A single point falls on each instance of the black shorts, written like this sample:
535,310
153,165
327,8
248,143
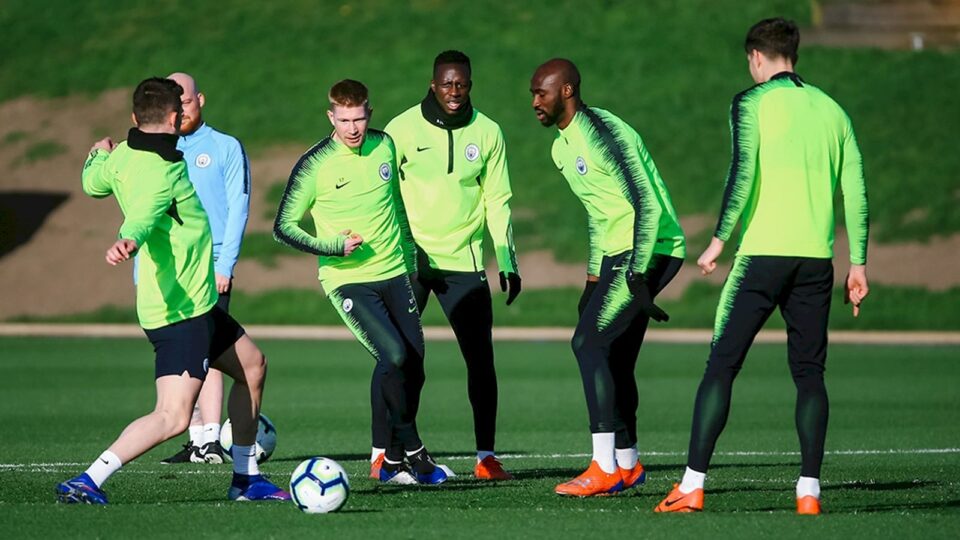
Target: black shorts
193,344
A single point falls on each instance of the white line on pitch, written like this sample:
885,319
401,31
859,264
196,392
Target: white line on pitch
751,453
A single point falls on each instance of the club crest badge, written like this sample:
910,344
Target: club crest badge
386,172
581,166
472,152
203,161
347,305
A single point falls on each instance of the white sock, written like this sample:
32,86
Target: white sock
376,452
105,465
627,457
409,453
484,454
196,434
808,486
691,480
245,460
603,452
211,433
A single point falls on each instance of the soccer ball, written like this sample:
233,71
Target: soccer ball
266,439
319,485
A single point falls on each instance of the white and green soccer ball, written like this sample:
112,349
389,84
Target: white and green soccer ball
266,439
319,485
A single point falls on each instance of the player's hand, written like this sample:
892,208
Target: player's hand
351,243
708,260
105,143
587,294
513,280
120,251
224,283
856,289
637,284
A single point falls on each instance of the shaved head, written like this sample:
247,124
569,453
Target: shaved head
193,100
555,87
185,81
562,71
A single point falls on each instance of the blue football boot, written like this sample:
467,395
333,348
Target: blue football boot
80,490
397,474
255,488
425,469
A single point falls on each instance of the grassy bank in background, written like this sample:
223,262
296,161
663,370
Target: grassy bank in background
668,68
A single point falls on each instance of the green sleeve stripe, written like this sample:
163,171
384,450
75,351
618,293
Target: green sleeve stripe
624,162
293,204
595,257
855,205
743,130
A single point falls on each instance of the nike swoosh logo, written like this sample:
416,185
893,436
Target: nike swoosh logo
419,149
618,267
483,278
105,462
411,309
341,185
561,169
668,504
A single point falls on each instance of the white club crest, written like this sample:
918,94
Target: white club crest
203,161
206,365
347,305
581,166
386,172
472,152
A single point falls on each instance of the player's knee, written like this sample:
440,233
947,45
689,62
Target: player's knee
255,368
394,356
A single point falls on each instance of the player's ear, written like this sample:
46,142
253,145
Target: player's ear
201,99
133,118
566,91
433,86
330,116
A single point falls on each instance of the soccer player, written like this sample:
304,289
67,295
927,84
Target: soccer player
636,248
220,173
792,144
348,182
164,223
454,180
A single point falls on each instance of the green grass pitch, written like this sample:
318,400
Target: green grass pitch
891,468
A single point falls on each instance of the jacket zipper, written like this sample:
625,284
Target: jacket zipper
449,151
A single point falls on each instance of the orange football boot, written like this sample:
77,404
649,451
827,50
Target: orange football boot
633,477
375,466
593,481
490,468
808,505
678,501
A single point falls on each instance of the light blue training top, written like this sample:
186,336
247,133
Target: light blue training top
220,172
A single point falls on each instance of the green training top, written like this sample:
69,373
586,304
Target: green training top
344,188
791,144
452,181
163,215
611,172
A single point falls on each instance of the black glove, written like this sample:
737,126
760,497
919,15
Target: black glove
514,281
585,297
638,287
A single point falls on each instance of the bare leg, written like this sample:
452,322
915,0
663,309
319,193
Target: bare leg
176,395
210,401
248,367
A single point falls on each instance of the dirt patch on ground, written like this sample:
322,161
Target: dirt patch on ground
61,268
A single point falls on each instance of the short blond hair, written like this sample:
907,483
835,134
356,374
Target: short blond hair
348,93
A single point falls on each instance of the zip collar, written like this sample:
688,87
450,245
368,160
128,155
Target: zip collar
162,144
